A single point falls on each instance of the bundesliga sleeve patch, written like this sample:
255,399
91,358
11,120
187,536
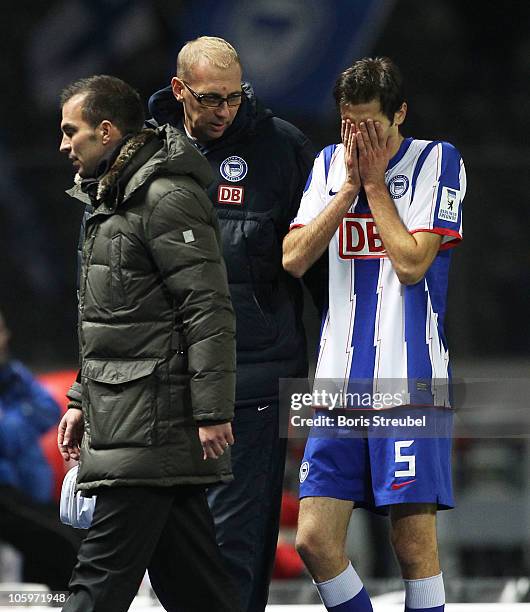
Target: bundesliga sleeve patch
449,205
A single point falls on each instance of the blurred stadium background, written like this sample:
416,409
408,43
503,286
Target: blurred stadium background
466,68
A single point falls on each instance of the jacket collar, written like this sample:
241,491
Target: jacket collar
128,161
90,185
164,108
151,152
115,171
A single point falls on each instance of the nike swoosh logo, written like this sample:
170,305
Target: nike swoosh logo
260,408
332,193
402,484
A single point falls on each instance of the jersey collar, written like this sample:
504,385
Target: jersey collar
403,148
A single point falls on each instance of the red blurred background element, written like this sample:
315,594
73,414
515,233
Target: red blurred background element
288,563
57,384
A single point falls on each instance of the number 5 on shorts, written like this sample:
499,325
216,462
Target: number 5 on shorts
410,460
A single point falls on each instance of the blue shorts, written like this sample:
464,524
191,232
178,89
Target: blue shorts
376,472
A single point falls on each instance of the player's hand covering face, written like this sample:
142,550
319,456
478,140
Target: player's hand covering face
377,139
376,147
349,140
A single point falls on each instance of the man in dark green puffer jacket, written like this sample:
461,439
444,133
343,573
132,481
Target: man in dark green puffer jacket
150,414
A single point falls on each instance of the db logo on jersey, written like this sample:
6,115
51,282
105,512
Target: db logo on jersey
358,238
230,194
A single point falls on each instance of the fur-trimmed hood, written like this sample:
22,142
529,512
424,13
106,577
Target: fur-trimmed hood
164,150
122,163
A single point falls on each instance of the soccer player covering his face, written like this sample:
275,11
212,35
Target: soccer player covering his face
389,209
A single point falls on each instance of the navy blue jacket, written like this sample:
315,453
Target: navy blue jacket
263,161
27,411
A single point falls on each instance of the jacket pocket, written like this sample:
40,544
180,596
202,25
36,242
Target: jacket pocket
120,400
256,325
117,292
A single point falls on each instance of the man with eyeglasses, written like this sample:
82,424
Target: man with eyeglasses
261,164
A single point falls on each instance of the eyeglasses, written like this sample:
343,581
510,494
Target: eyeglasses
212,100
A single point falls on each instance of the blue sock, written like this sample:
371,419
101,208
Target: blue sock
344,593
425,595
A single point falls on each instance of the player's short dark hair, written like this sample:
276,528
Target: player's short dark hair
109,98
371,79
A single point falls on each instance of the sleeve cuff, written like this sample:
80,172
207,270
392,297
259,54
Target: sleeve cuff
210,423
450,238
74,394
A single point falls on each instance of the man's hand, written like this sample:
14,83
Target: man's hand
351,161
215,439
374,152
69,434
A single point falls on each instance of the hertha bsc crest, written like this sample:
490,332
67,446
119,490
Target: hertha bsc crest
233,168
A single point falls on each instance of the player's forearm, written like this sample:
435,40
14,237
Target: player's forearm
303,246
409,260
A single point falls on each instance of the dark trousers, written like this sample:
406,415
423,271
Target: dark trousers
49,548
170,532
247,511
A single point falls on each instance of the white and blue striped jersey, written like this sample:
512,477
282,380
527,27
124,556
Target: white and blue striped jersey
376,329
